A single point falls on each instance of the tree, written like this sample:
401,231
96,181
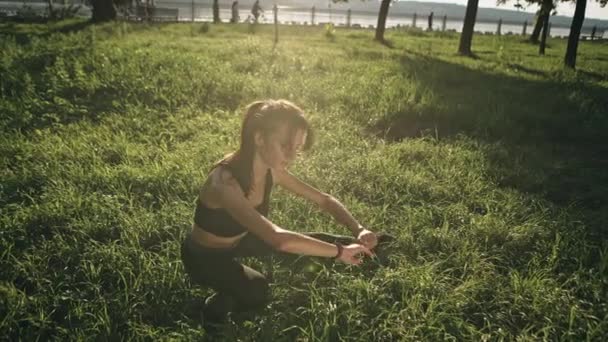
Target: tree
542,22
575,31
542,15
50,9
216,12
466,36
381,26
103,10
538,25
546,6
543,40
382,15
539,22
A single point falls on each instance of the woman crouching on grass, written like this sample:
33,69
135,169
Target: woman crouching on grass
230,219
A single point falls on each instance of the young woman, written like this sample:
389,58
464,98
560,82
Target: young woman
230,219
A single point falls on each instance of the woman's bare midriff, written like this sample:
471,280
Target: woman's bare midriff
210,240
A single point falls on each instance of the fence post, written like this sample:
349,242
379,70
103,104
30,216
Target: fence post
414,20
348,13
275,10
443,25
499,27
523,32
593,31
430,28
312,16
192,10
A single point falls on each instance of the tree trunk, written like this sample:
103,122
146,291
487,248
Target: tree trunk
216,11
538,25
382,20
545,9
467,28
543,38
103,10
575,31
51,10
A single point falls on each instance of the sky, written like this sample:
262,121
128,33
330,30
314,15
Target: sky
593,8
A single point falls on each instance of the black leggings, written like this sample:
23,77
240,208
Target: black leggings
219,270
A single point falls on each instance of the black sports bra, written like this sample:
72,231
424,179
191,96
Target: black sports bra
220,222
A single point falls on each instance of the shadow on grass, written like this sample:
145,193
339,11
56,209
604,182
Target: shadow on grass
72,27
600,58
387,43
595,76
547,142
527,70
557,120
24,33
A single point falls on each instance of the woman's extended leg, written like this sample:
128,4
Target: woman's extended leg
251,245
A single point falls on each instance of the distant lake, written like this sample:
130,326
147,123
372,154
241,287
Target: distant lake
300,16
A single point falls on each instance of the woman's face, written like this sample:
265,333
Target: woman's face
281,146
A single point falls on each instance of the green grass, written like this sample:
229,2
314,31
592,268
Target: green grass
490,171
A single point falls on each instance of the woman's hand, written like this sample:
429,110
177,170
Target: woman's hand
352,254
367,238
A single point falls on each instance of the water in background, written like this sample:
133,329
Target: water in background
203,12
300,16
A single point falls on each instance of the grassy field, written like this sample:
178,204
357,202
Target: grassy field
490,171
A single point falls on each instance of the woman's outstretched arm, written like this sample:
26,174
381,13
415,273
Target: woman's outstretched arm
327,203
342,215
339,212
232,198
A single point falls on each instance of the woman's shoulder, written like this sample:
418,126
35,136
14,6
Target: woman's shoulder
219,183
221,178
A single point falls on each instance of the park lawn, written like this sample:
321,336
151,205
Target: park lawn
490,171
